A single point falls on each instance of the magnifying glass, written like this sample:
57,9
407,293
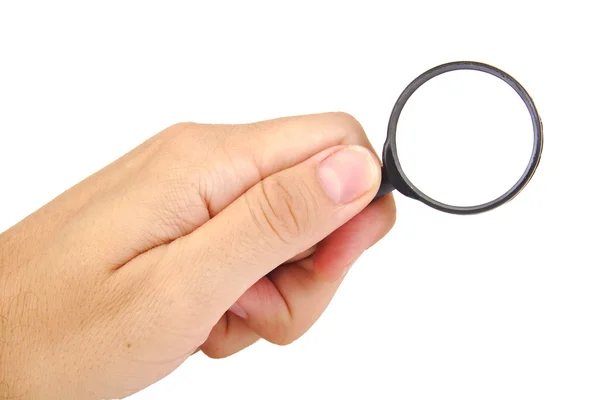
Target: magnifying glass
464,138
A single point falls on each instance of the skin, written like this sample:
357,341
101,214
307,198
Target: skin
205,238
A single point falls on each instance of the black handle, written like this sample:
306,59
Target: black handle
385,187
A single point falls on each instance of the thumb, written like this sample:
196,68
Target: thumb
278,218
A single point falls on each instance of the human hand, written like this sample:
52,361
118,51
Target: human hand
205,237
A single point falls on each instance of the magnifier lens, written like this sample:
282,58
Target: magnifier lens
464,138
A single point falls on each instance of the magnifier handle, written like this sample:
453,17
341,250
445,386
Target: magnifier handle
385,187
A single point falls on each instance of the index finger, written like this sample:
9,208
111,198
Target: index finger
264,148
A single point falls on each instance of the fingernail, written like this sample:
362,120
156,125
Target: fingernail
347,174
238,310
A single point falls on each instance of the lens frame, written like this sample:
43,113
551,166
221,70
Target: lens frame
393,176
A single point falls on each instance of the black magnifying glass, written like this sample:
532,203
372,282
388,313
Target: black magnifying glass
394,176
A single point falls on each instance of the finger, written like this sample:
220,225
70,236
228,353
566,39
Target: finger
302,256
229,336
270,318
284,305
266,147
346,244
272,222
191,172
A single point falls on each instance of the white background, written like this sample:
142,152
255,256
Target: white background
503,305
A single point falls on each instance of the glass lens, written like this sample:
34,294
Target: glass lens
464,138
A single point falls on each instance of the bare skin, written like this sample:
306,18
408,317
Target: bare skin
204,238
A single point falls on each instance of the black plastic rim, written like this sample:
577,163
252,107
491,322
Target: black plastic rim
391,164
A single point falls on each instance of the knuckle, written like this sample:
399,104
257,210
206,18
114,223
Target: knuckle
284,207
180,137
215,352
285,336
281,331
187,142
182,126
348,122
282,326
286,330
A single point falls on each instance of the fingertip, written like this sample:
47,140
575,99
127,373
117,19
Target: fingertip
349,173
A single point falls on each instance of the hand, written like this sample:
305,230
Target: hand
205,237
